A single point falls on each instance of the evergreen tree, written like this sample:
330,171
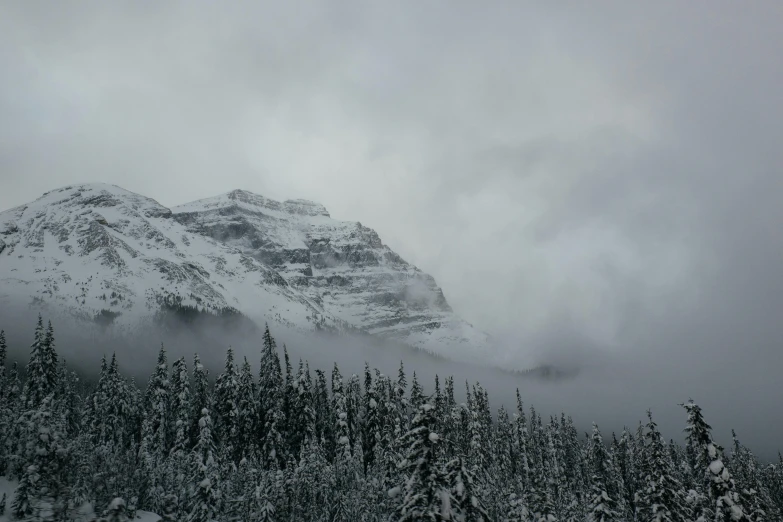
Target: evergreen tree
3,372
372,422
340,408
401,403
155,445
177,463
323,415
205,498
270,412
42,366
201,396
6,407
754,491
464,501
353,401
426,489
96,405
226,400
661,497
50,362
247,412
719,500
450,422
157,412
302,421
180,405
417,395
288,402
603,503
40,493
520,455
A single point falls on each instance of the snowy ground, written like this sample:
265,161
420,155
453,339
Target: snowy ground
8,488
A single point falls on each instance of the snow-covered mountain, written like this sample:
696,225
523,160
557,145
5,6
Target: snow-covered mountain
111,257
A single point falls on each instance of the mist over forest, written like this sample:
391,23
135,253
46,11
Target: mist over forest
599,387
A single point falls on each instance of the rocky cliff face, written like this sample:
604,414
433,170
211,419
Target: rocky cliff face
100,251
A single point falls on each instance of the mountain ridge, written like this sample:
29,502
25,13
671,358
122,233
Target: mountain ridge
99,250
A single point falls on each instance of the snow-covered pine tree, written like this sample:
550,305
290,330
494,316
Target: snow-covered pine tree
464,502
698,437
302,422
401,402
417,395
205,498
51,364
155,445
312,476
247,411
180,406
6,408
157,401
288,402
661,497
226,399
202,397
603,505
68,400
14,445
774,479
177,463
353,402
41,493
372,421
450,419
426,489
238,490
575,470
521,467
264,508
270,388
750,481
323,415
625,456
94,416
3,357
720,500
41,374
556,476
271,399
340,408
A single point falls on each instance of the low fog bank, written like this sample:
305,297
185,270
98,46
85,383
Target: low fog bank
610,389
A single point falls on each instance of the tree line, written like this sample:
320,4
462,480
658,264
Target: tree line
291,444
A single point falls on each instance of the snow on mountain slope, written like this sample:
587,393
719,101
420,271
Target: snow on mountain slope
107,255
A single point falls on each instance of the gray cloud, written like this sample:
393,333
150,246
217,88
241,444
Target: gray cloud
580,180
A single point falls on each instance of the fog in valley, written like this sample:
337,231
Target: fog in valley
611,390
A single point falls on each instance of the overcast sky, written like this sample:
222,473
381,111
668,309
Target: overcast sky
578,177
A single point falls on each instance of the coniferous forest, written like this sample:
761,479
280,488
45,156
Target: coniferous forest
283,443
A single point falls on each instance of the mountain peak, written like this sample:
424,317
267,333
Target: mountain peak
93,196
254,202
305,207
